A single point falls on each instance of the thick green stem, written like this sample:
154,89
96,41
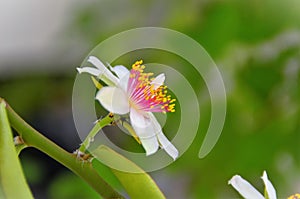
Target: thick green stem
82,168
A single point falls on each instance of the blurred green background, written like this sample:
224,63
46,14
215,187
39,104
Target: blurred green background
256,45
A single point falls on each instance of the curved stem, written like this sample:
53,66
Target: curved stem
107,120
83,169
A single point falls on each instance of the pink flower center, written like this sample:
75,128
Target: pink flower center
143,95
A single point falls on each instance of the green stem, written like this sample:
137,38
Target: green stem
98,126
83,169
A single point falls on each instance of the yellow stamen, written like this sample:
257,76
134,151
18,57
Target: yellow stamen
295,196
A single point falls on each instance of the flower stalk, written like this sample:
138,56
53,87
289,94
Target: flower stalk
107,120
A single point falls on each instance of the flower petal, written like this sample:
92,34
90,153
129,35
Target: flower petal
104,73
96,62
158,81
120,71
244,188
268,186
90,70
123,73
113,99
144,130
162,139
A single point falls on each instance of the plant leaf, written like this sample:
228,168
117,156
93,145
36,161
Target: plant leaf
138,184
13,183
106,173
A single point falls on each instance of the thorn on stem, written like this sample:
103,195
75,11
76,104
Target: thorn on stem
83,156
18,140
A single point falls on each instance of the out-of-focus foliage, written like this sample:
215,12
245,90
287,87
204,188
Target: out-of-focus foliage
256,45
68,186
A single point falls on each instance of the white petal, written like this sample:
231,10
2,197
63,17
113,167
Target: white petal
162,139
123,74
96,62
121,71
104,74
90,70
145,131
158,81
268,186
113,99
244,188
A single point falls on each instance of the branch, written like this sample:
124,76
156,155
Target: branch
82,168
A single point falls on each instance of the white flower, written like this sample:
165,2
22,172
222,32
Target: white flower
134,93
249,192
101,71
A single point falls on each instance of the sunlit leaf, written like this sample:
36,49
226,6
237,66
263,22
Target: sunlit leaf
138,184
106,173
12,178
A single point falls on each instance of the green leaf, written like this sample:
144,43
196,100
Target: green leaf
106,173
138,184
13,183
1,192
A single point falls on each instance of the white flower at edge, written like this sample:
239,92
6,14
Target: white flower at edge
249,192
134,93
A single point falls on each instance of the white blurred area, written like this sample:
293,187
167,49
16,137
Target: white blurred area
33,37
